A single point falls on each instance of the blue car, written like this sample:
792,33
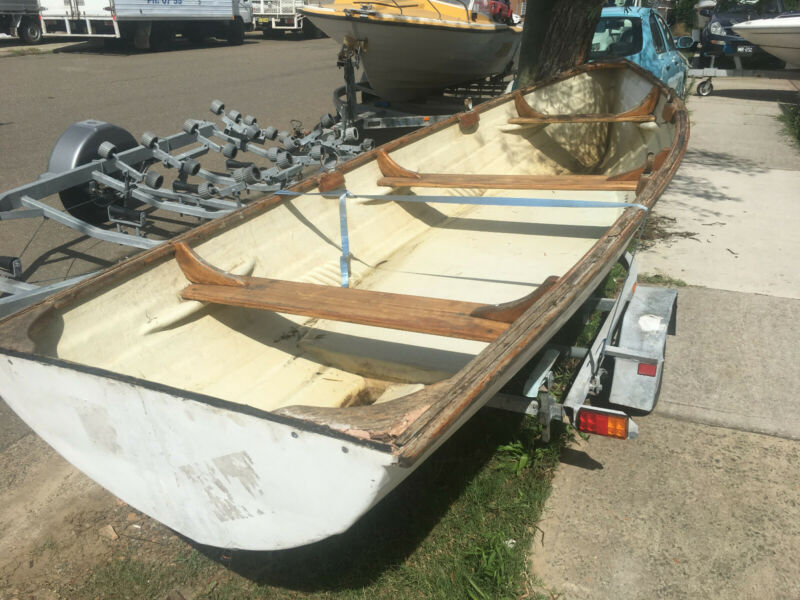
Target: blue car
641,36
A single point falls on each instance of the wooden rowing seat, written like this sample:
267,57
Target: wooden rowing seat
450,318
396,176
642,113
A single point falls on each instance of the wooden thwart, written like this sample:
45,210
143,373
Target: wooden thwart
639,114
450,318
396,176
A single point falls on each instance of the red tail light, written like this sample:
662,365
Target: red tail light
603,422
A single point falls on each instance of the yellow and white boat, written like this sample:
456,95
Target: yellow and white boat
413,48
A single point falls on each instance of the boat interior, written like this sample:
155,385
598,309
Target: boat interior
255,313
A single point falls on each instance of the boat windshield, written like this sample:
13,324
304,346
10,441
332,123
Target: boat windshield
616,37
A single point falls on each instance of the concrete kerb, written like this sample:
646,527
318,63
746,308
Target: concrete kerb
10,46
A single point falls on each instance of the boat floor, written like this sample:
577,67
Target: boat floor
482,254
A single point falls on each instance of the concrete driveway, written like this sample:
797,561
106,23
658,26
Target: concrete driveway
706,503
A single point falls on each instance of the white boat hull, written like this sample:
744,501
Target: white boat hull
779,37
219,476
405,60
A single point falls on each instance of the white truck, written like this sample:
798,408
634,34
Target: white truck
274,17
148,24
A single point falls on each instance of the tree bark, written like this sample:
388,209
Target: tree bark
556,36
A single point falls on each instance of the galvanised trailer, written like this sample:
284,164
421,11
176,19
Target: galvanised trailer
102,176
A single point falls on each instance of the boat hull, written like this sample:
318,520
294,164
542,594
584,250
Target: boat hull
779,37
405,60
219,476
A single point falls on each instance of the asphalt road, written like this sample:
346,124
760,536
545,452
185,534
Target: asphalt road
42,95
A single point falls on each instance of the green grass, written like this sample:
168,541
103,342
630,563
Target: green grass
790,117
658,279
460,527
23,51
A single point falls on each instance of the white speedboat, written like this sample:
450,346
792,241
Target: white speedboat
413,49
779,36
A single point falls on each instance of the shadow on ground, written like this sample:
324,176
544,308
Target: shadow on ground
760,95
114,47
393,530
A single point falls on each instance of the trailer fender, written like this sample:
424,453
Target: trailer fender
79,145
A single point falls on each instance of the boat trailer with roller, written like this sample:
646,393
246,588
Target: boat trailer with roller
102,175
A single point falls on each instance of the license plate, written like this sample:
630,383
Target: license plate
745,49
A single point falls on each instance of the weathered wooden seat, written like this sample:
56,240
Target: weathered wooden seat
396,176
642,113
450,318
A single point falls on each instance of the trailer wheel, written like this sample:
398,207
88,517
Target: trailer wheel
80,145
704,88
236,32
30,30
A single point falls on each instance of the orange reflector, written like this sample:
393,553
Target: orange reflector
426,119
603,423
633,289
647,369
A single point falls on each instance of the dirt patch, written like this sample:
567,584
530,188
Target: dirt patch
57,524
659,229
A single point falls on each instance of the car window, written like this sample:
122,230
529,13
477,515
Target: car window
667,33
658,40
616,37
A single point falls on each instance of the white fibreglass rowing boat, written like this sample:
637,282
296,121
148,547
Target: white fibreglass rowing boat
228,386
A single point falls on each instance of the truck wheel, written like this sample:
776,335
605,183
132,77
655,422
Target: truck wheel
236,32
30,30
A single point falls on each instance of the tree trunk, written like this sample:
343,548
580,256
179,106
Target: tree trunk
556,36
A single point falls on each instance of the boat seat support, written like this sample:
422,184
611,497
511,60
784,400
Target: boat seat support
396,176
642,113
450,318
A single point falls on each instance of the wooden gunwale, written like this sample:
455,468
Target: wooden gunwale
459,396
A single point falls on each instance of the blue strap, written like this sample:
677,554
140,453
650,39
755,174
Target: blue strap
344,259
478,200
